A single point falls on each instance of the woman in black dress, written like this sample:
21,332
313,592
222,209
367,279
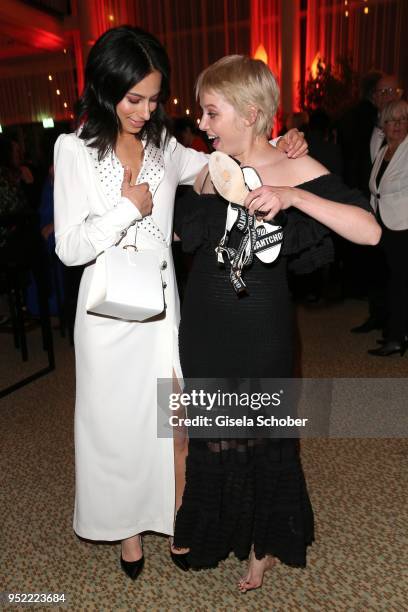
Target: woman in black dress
245,495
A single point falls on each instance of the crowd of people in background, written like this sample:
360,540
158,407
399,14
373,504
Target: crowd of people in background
359,147
21,248
369,140
374,131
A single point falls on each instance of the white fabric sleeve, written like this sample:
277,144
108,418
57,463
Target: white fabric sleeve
188,161
274,141
80,236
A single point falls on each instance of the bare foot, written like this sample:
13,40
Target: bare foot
177,551
132,548
256,569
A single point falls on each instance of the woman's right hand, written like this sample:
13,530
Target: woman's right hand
139,195
267,201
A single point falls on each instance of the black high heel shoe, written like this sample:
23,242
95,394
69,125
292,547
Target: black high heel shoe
180,560
390,348
132,568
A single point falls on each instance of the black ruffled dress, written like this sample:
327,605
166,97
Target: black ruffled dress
242,493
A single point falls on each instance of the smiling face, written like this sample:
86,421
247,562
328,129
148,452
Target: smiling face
396,127
227,130
141,100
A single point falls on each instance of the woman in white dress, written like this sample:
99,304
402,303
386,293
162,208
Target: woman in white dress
124,472
118,172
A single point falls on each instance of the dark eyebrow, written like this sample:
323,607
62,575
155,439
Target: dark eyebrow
134,93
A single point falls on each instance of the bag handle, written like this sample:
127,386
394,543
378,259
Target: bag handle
132,246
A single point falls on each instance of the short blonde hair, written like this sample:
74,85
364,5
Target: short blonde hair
396,107
244,83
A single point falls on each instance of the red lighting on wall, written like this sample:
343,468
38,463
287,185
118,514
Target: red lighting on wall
314,68
265,33
261,54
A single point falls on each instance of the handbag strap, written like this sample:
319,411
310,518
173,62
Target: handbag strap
242,256
132,246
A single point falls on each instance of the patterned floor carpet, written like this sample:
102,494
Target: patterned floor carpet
359,561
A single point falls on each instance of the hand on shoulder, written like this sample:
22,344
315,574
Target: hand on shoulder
293,144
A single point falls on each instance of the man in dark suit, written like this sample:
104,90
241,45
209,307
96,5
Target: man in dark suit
355,131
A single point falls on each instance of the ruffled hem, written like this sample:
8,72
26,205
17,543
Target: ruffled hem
234,505
301,233
306,243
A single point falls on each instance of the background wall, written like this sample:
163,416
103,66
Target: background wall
53,38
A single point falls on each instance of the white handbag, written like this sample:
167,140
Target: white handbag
127,284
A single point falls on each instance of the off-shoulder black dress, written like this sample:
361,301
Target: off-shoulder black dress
241,493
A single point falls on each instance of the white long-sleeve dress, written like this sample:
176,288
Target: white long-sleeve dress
124,472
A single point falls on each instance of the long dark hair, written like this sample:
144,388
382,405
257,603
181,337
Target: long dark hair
119,59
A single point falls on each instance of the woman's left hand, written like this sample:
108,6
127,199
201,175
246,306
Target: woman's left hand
267,201
293,143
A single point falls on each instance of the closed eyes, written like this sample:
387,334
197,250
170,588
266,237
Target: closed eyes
153,100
